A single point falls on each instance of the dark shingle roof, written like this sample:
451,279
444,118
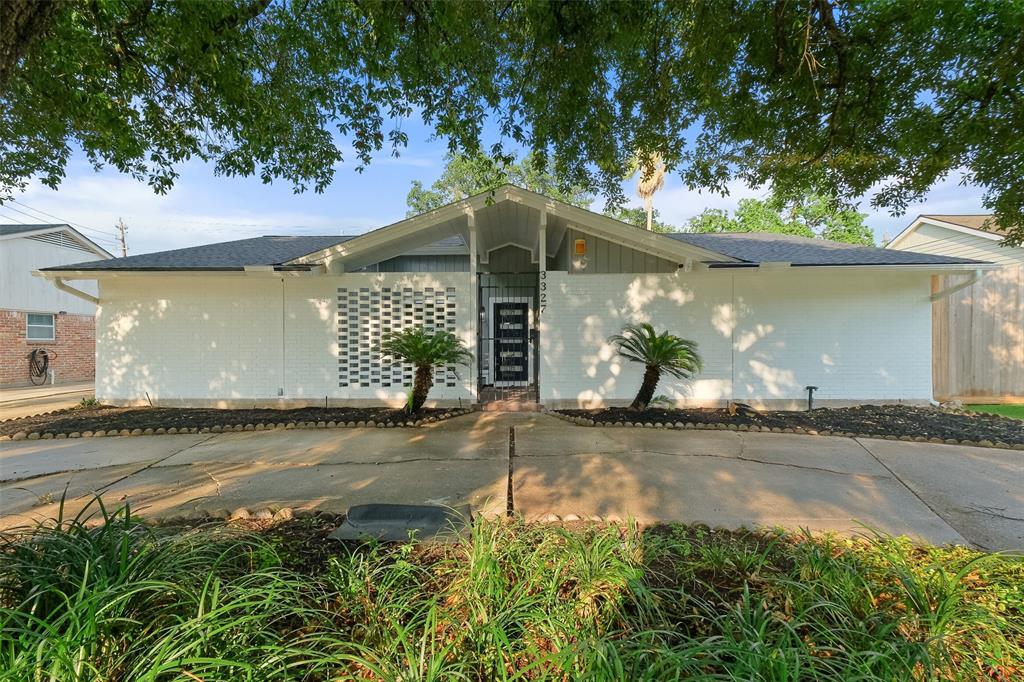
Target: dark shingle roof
760,247
6,230
747,247
235,255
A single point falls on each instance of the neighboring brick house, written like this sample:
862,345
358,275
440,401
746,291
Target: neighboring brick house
36,315
534,287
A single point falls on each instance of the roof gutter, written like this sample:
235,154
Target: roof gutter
971,279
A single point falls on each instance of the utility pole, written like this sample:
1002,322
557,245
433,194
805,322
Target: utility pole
122,228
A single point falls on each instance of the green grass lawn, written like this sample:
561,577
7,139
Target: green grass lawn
1015,411
513,601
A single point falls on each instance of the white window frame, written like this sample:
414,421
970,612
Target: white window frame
29,326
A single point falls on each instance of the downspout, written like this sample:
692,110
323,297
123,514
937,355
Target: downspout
78,293
283,379
939,295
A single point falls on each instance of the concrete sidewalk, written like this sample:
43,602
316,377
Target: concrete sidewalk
26,401
456,462
937,493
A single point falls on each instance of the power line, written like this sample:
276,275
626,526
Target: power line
50,215
12,218
105,240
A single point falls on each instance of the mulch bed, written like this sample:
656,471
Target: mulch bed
108,418
894,421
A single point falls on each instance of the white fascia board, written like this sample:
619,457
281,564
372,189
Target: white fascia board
920,267
378,239
615,230
85,241
582,219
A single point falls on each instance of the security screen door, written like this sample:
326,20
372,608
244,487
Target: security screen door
511,333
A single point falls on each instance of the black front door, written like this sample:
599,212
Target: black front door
511,333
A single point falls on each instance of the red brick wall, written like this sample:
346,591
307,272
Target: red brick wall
72,353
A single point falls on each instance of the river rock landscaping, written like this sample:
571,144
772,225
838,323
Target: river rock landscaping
134,421
880,421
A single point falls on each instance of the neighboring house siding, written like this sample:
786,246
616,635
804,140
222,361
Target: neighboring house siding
227,340
19,290
978,340
604,256
763,336
72,351
945,242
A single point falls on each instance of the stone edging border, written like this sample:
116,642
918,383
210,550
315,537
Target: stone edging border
275,513
583,421
227,428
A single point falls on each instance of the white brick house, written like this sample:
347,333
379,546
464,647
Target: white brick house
534,287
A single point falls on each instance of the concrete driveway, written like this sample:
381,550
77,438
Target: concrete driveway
937,493
26,401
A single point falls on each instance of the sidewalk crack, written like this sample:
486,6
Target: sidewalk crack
153,464
920,499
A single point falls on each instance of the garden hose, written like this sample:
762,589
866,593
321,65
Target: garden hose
38,365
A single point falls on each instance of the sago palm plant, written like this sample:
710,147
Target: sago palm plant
425,350
660,353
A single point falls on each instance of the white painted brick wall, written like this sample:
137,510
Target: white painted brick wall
859,336
763,336
209,338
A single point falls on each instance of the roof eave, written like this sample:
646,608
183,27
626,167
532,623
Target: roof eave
90,244
589,221
96,273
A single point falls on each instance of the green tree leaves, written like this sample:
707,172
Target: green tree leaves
811,215
464,176
888,95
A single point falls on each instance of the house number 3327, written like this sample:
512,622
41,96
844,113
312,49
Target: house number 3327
543,303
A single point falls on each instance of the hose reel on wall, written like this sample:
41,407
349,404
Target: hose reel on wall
39,365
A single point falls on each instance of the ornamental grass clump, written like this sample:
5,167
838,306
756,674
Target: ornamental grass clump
122,601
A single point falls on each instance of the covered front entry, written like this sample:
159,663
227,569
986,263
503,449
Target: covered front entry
507,337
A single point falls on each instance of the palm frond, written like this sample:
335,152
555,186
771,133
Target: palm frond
671,354
421,348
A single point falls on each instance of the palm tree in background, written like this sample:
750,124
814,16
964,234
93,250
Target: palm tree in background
651,179
662,353
424,350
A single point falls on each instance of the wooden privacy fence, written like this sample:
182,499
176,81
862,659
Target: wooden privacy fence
978,338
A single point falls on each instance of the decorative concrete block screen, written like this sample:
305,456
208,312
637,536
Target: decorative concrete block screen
366,314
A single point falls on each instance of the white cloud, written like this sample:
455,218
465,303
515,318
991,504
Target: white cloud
678,203
947,196
182,217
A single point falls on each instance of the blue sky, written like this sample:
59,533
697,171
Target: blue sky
203,208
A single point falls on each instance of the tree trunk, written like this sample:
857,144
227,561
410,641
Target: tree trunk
646,393
649,205
421,386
